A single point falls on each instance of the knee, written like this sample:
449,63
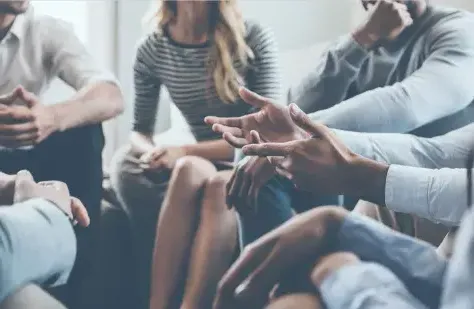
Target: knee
330,264
216,185
193,170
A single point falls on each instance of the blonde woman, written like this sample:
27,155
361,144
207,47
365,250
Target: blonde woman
201,51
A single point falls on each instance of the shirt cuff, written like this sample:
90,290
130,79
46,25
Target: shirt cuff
354,282
351,51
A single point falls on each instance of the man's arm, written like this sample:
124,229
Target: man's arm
366,286
329,83
441,87
413,262
98,95
449,150
37,245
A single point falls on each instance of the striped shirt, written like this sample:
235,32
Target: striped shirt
183,70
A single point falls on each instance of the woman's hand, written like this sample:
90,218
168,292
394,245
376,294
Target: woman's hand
162,158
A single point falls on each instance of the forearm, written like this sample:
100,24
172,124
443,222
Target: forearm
37,245
371,286
92,104
449,150
217,150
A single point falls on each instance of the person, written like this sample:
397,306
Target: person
61,141
37,240
201,51
406,68
386,269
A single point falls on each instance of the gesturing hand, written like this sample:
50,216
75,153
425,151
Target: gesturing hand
162,158
386,21
54,191
26,124
264,263
273,122
317,164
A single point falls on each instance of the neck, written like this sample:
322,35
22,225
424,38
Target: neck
6,21
192,22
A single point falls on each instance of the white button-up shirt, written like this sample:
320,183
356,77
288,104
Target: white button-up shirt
39,48
427,176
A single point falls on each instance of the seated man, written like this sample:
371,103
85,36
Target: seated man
61,141
412,158
37,241
407,68
398,271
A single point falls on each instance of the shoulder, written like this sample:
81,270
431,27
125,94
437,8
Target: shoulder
453,25
51,27
258,36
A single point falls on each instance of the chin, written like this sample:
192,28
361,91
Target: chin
14,7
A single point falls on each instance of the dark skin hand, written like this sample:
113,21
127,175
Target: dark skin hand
266,262
322,163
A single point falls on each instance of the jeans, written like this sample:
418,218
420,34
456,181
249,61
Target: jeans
278,201
75,158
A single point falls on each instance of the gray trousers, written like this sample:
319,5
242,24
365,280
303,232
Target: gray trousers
141,197
31,297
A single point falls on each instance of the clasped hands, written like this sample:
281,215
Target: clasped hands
24,120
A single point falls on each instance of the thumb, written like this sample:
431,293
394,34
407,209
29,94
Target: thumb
24,186
255,137
11,97
302,120
28,97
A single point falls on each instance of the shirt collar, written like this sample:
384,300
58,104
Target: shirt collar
19,26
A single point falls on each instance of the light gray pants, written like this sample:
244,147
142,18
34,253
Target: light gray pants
141,197
31,297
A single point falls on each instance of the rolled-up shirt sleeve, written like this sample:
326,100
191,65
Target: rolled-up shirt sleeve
413,261
37,246
438,195
69,58
366,285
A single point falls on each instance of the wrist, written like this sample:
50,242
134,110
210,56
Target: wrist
55,120
366,179
365,38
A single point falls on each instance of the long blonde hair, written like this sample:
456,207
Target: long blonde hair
228,38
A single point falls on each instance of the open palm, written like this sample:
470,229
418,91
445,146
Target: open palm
273,122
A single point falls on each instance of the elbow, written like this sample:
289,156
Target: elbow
117,101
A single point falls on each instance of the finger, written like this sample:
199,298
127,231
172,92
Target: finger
253,194
269,149
234,141
235,122
28,97
220,128
255,137
238,272
79,212
302,120
16,114
235,186
25,186
242,197
20,139
283,172
17,128
253,98
11,97
156,155
228,187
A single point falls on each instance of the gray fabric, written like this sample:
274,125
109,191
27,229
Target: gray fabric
37,245
422,81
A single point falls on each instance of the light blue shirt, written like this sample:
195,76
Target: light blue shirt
399,271
37,246
426,177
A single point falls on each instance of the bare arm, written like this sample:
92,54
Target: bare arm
92,104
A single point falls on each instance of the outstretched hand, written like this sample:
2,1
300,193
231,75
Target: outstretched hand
273,122
320,163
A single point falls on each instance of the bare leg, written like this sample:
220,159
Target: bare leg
176,227
296,301
214,247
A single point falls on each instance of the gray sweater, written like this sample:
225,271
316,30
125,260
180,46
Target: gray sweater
421,83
